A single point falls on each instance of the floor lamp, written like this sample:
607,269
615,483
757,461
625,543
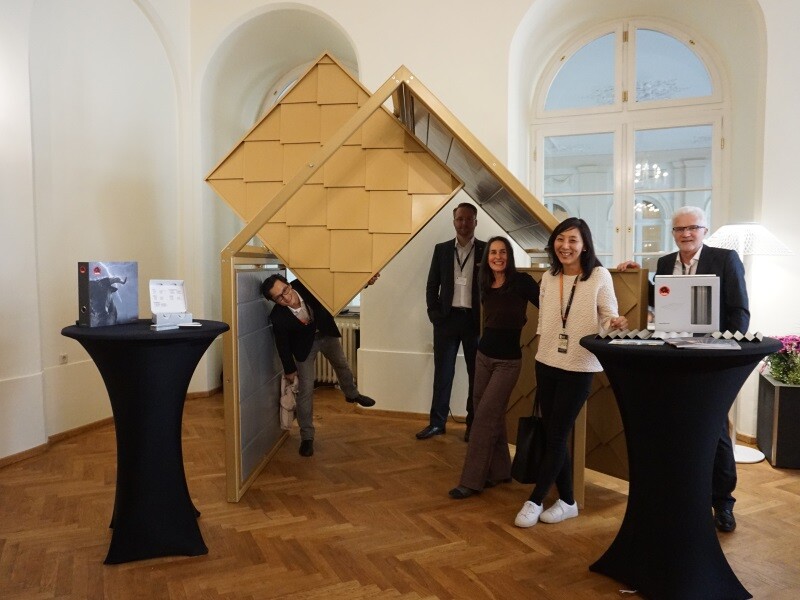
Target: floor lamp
748,239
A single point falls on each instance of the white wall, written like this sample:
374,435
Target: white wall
103,156
21,391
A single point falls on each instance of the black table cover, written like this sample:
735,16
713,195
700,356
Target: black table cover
673,403
147,375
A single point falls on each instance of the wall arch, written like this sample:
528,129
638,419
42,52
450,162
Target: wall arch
251,57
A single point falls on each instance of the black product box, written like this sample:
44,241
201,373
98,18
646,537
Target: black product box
108,293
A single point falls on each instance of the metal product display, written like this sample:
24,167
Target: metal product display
335,184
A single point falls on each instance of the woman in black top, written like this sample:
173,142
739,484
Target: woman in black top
505,294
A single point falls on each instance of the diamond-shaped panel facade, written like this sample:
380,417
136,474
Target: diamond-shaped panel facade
354,214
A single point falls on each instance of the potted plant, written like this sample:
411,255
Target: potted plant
778,423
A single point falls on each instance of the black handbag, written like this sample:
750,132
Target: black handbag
530,448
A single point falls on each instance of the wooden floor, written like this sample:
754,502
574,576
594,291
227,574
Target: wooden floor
367,516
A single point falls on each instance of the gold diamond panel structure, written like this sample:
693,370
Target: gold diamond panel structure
337,223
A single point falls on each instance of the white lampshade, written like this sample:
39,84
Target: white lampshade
748,239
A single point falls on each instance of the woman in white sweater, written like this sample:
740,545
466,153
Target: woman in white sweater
576,298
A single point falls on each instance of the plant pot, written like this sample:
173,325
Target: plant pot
778,424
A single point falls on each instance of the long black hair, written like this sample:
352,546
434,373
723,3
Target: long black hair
589,259
486,275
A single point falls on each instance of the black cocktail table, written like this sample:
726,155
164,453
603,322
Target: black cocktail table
147,375
673,403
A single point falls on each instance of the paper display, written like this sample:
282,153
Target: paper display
168,304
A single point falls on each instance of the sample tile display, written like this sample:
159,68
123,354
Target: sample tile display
358,210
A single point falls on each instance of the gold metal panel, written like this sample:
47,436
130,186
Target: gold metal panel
348,208
308,207
335,86
296,159
305,90
424,205
276,237
231,168
381,131
333,116
389,212
268,129
384,247
387,169
300,123
319,280
344,283
410,144
233,190
351,251
425,175
346,168
309,247
263,161
258,194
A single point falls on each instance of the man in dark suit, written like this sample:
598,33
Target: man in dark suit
689,228
454,309
302,328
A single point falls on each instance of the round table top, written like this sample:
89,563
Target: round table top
140,331
593,344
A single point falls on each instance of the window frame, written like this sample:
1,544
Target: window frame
625,118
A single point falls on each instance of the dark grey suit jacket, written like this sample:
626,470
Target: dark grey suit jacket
734,311
441,285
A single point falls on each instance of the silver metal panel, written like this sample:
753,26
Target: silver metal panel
480,183
259,371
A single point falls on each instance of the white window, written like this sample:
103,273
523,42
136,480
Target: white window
626,128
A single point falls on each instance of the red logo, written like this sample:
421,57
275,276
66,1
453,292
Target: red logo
663,290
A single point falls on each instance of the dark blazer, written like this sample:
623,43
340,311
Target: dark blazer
734,311
292,338
441,285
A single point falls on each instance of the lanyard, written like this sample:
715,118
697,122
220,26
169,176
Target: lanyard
684,269
466,258
565,313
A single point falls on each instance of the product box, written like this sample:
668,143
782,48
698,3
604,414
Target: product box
108,293
687,303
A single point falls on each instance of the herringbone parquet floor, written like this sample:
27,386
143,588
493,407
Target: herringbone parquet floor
367,516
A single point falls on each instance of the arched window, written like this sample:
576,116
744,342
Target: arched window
628,122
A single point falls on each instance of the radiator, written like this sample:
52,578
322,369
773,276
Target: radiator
348,326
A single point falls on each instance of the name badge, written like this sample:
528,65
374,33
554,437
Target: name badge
461,280
563,342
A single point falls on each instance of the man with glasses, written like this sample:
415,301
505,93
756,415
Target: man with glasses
454,309
693,257
302,328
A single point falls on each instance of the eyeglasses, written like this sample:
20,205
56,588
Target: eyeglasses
284,295
689,228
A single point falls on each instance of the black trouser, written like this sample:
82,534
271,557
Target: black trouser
458,328
561,395
723,480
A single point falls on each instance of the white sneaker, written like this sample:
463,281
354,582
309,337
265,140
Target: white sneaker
528,515
560,511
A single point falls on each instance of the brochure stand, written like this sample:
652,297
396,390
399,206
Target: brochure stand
168,305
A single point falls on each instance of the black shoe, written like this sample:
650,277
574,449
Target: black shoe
466,433
490,483
724,519
430,431
461,492
362,400
307,448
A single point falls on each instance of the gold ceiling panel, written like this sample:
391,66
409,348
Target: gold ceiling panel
336,223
